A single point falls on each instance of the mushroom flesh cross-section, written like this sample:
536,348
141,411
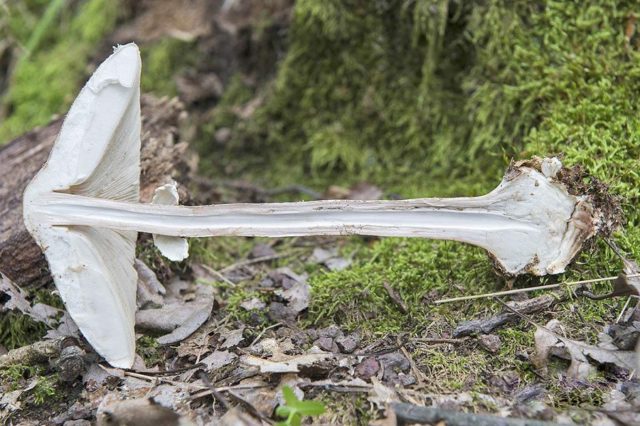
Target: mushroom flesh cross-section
83,210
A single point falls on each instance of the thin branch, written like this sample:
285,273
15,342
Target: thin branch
527,290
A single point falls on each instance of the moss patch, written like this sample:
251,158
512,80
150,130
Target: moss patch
434,98
46,82
162,60
18,330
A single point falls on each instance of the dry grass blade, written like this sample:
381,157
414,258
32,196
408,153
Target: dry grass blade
529,289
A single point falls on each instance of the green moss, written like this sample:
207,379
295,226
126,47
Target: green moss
149,349
44,391
46,82
161,61
416,269
456,370
220,252
18,330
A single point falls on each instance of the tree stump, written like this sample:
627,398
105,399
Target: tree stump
163,157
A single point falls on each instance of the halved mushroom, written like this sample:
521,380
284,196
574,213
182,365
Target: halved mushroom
83,210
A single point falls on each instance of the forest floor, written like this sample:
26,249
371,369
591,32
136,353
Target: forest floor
352,323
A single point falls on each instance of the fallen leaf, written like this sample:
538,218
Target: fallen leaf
150,290
66,328
287,364
360,191
235,417
381,395
180,19
548,342
364,191
329,258
232,338
170,316
96,376
13,298
253,304
189,326
9,403
260,397
299,294
218,359
178,317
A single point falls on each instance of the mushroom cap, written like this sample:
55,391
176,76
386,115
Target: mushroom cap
96,154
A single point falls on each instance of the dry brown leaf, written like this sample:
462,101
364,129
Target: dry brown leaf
381,395
548,342
236,417
284,363
13,298
218,359
178,317
253,304
150,290
232,338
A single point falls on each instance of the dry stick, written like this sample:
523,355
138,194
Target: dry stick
216,394
242,263
416,371
202,390
207,392
219,275
411,414
264,331
526,290
396,297
439,340
624,309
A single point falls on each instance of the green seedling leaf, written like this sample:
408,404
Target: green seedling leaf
294,408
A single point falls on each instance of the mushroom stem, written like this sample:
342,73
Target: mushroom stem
529,223
460,219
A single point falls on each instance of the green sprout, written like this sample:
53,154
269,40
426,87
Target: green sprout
294,409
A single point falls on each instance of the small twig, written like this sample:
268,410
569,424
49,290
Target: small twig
248,262
169,372
216,394
219,275
624,308
526,290
264,331
206,392
396,298
411,414
440,340
416,371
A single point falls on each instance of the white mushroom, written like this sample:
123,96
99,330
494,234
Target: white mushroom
83,210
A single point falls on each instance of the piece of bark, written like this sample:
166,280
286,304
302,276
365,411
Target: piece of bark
163,157
38,352
527,307
412,414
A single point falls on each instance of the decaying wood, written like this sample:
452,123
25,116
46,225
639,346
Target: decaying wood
529,306
38,352
163,157
413,414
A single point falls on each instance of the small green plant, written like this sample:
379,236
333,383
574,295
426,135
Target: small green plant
149,349
294,409
45,389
